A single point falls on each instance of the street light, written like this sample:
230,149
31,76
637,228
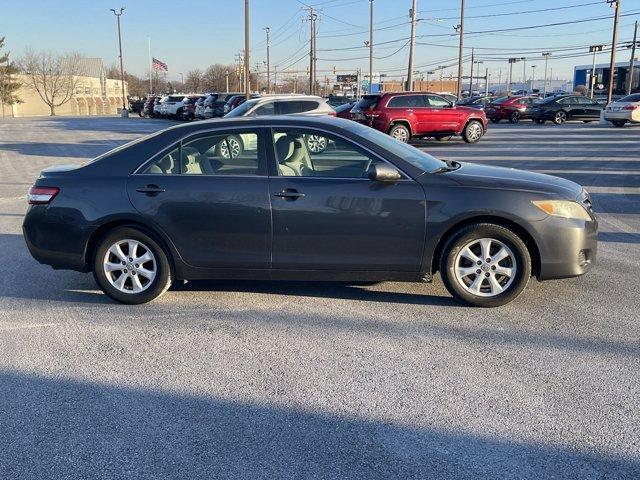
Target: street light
533,76
124,112
546,56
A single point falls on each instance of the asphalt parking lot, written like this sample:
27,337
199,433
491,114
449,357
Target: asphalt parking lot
286,380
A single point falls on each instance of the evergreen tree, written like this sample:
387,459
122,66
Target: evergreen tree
9,83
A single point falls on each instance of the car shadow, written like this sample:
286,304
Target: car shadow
63,428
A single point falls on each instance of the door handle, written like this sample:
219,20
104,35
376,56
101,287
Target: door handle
289,194
151,190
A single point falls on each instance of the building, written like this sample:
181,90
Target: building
94,95
621,77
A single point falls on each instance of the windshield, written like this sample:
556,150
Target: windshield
241,110
406,152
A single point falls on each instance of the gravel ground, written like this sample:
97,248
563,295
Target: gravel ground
290,380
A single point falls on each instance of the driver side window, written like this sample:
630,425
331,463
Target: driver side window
302,153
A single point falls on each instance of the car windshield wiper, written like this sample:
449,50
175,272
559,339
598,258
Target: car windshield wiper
451,165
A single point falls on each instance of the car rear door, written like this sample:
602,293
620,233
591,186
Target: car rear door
210,195
411,108
328,215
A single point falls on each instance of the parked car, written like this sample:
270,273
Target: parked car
562,108
147,110
475,102
625,110
344,110
188,111
172,107
214,105
237,100
512,108
337,100
368,209
136,106
281,105
158,106
406,115
199,106
449,96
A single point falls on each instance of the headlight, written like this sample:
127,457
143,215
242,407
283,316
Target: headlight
563,208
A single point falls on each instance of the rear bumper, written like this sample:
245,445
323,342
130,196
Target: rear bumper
568,248
624,115
60,245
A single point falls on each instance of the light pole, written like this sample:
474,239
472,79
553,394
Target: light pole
124,113
612,62
546,56
633,55
524,75
247,86
412,42
592,79
460,28
226,79
478,63
267,29
533,76
370,46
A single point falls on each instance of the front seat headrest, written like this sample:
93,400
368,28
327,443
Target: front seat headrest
284,148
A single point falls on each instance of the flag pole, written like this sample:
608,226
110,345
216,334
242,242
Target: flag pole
150,68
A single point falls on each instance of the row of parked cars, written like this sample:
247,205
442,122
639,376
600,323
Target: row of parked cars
557,108
403,115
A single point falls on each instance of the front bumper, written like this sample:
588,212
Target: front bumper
568,248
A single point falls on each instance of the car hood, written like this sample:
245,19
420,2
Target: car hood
485,176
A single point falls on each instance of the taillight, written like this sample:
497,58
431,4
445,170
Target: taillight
332,114
42,195
630,107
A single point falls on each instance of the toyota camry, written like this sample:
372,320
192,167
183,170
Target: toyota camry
246,198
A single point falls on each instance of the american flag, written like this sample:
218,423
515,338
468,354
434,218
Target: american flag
158,65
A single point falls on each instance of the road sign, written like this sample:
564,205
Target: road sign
347,78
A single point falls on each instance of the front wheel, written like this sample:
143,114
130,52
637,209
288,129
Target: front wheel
515,117
485,265
131,267
316,143
560,117
231,147
400,132
472,132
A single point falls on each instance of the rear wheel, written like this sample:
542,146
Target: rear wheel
515,117
472,131
316,143
131,267
400,132
485,265
560,117
618,123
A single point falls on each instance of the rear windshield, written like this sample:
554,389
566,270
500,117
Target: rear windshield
635,97
368,101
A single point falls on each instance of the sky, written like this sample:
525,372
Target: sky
189,34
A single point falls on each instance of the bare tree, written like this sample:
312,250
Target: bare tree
194,80
581,90
54,77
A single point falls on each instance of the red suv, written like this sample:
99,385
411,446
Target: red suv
514,108
404,115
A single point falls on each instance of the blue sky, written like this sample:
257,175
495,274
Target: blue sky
195,33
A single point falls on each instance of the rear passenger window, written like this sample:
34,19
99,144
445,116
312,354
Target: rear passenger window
266,109
296,106
235,154
168,164
407,101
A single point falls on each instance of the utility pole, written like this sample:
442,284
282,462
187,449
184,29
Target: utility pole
371,46
258,77
486,81
478,63
533,76
247,81
612,63
473,58
312,52
546,56
266,29
511,62
441,68
524,75
592,79
226,78
412,42
124,112
460,47
633,55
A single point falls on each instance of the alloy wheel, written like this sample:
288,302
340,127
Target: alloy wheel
316,143
400,134
130,266
561,117
485,267
230,143
474,132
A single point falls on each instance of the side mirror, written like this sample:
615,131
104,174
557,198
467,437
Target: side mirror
382,172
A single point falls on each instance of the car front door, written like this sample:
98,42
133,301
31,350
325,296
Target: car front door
591,108
210,195
328,215
571,106
444,116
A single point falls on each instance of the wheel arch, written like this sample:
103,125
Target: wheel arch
473,119
400,121
98,233
526,237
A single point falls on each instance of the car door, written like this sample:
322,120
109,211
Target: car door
210,195
444,116
591,108
571,106
411,108
328,215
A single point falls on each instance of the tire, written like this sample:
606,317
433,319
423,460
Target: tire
108,268
586,121
618,123
560,117
514,117
233,142
454,258
443,138
540,121
316,143
472,132
495,119
400,132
